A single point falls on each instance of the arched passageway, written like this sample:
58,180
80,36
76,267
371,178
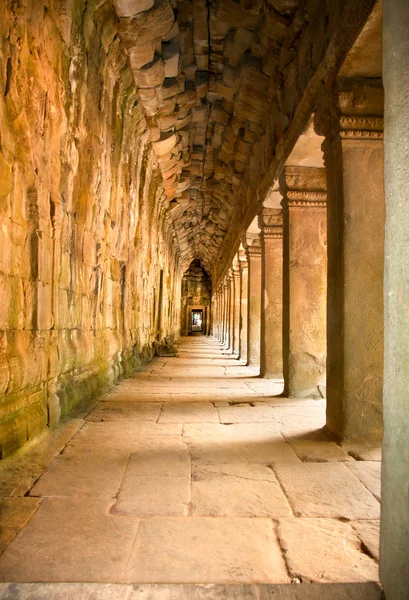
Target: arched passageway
200,353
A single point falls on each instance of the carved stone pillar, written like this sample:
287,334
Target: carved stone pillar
225,311
227,296
353,153
394,550
237,294
271,327
219,314
254,302
305,280
244,284
232,309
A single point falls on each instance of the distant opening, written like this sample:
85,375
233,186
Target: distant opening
197,320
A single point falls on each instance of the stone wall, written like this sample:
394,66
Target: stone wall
84,232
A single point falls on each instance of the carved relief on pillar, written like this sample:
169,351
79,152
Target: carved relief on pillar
299,198
364,128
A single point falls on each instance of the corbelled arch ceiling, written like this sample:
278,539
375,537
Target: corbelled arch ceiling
207,74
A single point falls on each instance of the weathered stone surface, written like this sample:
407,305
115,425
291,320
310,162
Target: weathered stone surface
326,490
74,152
368,533
324,550
149,495
247,414
19,472
316,447
125,411
239,490
74,473
67,525
206,550
15,512
191,412
368,473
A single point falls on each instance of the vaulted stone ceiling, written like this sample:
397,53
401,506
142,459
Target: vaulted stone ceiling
207,74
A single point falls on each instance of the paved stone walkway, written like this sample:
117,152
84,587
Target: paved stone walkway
191,471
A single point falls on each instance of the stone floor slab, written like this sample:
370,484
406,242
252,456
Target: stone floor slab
317,446
206,550
240,490
326,490
168,458
359,451
190,412
244,414
19,471
85,473
368,473
70,539
231,451
15,513
324,550
125,411
368,533
299,419
149,496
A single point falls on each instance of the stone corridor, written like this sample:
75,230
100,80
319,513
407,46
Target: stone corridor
204,299
193,471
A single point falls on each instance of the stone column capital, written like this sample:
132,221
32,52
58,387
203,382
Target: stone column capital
254,249
303,187
270,221
243,264
353,109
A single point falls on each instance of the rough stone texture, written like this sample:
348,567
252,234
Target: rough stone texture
326,490
353,152
19,472
369,473
324,550
395,467
191,412
240,490
79,183
368,533
15,512
316,446
67,524
305,281
206,550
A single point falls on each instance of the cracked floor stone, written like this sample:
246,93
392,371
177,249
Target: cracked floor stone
192,471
